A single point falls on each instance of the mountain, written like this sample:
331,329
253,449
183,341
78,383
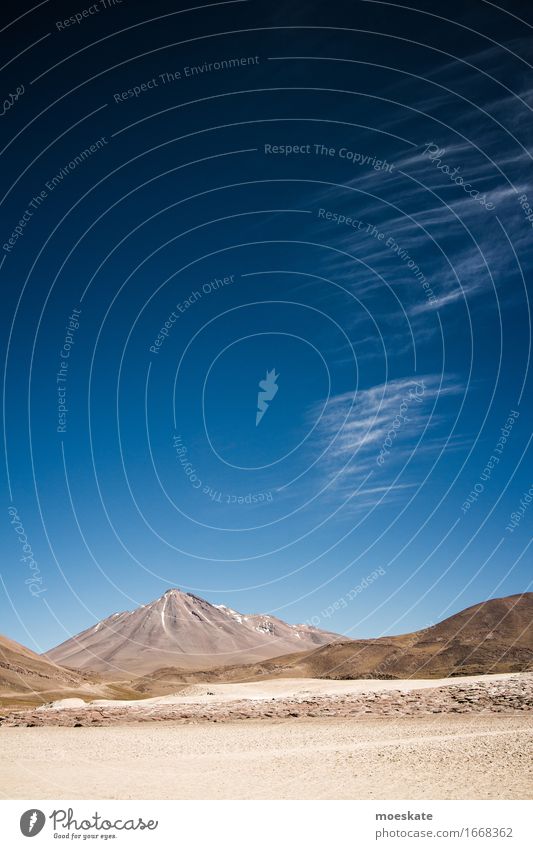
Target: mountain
493,636
181,639
183,630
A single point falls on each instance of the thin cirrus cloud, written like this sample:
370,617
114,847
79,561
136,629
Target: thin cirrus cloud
354,433
484,130
458,246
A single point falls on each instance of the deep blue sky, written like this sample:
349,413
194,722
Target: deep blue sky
413,321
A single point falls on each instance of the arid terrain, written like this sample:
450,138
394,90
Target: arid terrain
445,712
284,698
27,678
458,757
299,739
126,656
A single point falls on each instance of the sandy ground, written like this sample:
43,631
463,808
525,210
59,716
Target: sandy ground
282,688
301,687
457,738
445,757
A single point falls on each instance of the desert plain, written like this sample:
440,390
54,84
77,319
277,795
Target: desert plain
462,738
139,706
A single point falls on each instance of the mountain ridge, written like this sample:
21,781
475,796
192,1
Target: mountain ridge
180,628
491,636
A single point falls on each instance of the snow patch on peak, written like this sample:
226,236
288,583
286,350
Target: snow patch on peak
265,627
230,612
171,591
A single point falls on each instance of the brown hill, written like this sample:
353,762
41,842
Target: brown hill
27,678
494,636
23,673
183,630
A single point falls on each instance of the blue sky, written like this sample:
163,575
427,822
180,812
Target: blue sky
350,211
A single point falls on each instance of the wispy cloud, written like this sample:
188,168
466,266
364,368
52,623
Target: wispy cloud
485,128
366,438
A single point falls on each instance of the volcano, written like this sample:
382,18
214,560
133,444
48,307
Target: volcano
185,631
